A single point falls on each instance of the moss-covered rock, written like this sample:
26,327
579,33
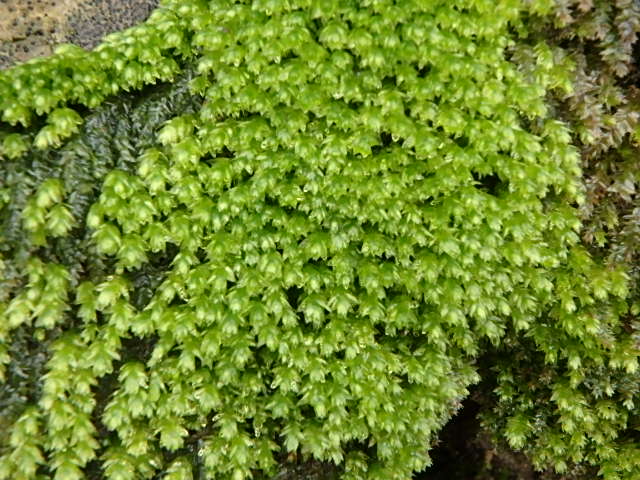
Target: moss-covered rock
297,254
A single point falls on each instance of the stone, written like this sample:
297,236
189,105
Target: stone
33,28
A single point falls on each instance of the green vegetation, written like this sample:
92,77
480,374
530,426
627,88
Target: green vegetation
595,41
327,222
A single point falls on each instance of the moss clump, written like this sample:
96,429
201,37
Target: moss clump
351,203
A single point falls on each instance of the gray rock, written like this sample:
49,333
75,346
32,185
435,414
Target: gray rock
32,28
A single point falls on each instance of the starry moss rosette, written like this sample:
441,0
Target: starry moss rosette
351,211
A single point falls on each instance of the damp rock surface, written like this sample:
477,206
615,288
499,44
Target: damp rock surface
33,28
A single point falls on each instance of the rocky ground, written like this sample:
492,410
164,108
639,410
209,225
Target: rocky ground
32,28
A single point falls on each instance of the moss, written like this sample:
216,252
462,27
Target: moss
302,255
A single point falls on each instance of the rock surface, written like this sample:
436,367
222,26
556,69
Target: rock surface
32,28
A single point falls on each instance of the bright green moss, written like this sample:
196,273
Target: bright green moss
301,258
